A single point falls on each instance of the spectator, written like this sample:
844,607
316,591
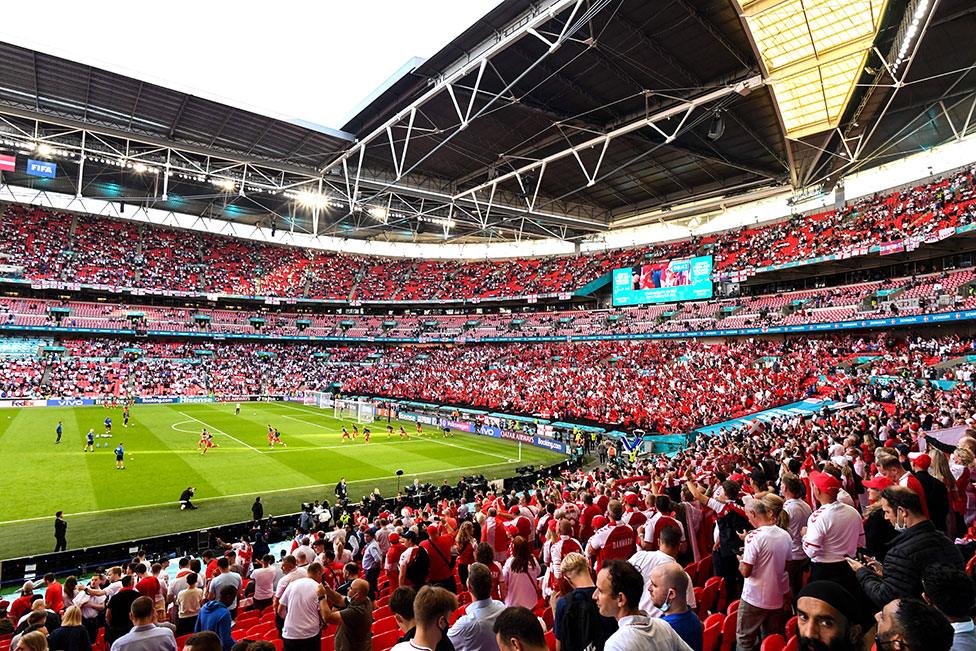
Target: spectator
473,630
520,576
145,635
203,641
414,562
392,562
290,572
763,566
51,619
799,513
438,547
23,602
465,543
6,626
669,540
373,561
352,614
71,635
33,641
615,540
32,621
117,620
952,591
935,492
305,608
53,594
890,465
225,578
917,546
401,605
669,585
432,607
618,591
188,604
577,622
910,624
264,579
878,532
517,629
215,616
731,521
828,618
834,533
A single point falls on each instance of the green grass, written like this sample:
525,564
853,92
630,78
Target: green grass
105,505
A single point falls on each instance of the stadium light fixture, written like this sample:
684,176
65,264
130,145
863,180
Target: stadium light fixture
139,168
44,149
224,184
379,213
313,199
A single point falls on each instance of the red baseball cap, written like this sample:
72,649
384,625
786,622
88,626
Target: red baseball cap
630,498
825,482
394,538
920,459
878,482
598,521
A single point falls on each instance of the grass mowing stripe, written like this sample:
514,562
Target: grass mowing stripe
266,492
220,432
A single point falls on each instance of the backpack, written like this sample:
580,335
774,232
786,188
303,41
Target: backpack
581,627
417,568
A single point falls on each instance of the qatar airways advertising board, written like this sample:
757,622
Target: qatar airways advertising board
688,279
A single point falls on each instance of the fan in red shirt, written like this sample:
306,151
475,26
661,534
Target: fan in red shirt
54,595
148,585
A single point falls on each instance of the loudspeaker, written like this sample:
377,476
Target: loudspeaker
717,127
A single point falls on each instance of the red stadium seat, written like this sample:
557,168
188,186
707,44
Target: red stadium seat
551,640
712,632
773,643
384,625
794,645
728,632
791,627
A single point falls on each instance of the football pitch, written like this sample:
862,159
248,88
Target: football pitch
106,505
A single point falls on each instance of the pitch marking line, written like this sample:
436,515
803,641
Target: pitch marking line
173,503
180,429
220,432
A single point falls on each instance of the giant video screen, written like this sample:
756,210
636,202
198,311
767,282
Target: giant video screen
689,279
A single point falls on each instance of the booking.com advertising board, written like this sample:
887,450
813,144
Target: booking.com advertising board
689,279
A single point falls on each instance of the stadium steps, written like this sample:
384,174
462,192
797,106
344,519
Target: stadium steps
951,363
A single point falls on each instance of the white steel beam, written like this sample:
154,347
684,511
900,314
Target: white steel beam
603,140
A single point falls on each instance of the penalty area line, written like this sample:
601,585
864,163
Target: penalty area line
220,432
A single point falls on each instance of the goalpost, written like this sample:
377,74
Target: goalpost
362,411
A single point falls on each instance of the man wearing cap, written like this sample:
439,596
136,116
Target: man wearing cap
392,559
878,532
414,563
936,493
827,618
917,546
372,562
834,532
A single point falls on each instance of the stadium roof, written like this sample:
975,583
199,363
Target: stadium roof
560,118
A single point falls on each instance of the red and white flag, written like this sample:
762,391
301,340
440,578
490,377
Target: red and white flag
8,163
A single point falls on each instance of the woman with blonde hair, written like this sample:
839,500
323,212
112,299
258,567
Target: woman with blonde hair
961,467
71,635
33,641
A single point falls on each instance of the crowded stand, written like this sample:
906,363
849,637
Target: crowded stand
826,530
660,386
98,250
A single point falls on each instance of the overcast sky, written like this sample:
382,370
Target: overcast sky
313,61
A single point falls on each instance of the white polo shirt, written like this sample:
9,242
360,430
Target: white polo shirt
302,619
640,632
767,550
833,533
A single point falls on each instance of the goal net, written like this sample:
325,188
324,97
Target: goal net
320,399
362,411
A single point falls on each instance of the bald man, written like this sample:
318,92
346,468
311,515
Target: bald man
353,614
668,587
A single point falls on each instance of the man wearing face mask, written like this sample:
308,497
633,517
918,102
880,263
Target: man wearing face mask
432,611
912,625
668,589
917,545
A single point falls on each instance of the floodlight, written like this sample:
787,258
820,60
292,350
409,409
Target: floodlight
44,149
378,213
